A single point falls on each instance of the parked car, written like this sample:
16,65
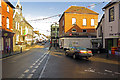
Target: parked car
78,52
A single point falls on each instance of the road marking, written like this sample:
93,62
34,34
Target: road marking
117,73
108,71
36,66
26,71
22,76
31,67
39,63
33,70
30,76
44,67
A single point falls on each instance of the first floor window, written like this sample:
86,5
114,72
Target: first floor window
8,23
92,22
73,21
84,22
7,9
17,38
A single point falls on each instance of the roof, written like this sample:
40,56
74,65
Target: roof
100,21
9,3
109,4
79,9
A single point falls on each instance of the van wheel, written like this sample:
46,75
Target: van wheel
66,54
74,56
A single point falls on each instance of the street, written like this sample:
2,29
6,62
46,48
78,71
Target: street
39,62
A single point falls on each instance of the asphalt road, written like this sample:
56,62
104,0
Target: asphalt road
24,65
41,63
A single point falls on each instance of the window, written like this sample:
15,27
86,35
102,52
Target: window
110,28
17,38
73,21
111,14
16,25
84,22
7,9
7,23
92,22
73,30
0,3
21,30
84,30
0,20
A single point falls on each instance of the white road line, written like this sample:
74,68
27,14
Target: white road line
117,73
26,71
33,70
36,66
31,67
108,71
39,63
22,76
30,76
44,68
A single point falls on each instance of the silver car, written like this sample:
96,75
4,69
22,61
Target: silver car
78,52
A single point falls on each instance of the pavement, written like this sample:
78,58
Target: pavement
4,55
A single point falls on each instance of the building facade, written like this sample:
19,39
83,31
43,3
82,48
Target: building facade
78,22
18,28
55,34
111,33
6,10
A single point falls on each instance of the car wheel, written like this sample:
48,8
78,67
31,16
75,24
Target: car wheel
66,54
74,56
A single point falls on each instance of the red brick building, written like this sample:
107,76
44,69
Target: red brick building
6,11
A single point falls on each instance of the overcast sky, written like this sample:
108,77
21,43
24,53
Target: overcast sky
38,10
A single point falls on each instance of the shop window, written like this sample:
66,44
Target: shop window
0,20
84,22
84,30
111,14
7,23
92,22
73,21
7,9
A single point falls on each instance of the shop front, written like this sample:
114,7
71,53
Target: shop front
7,39
113,46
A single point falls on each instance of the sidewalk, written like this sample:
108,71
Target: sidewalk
17,52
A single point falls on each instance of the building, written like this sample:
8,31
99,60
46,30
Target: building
55,34
36,36
111,33
78,22
98,42
6,13
18,28
28,33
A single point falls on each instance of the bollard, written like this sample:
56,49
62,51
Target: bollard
21,50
